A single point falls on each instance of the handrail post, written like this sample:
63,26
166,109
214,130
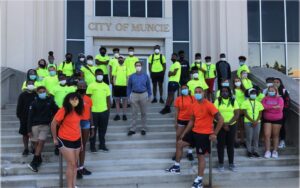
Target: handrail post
210,167
60,170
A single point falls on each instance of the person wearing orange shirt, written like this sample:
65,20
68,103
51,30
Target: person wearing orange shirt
198,133
68,138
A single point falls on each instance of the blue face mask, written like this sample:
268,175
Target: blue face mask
225,84
42,95
242,63
184,92
32,77
271,93
198,96
253,96
52,73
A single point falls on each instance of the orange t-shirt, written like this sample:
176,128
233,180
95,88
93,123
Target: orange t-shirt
70,127
183,103
204,116
87,107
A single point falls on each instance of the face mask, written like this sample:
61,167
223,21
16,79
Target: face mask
102,53
277,85
269,84
52,73
90,62
99,78
40,78
253,96
63,82
81,59
131,53
68,58
138,68
223,59
242,63
30,87
42,95
156,51
237,84
208,63
198,96
42,65
195,75
198,60
121,62
74,103
245,75
225,95
185,92
271,93
32,77
225,84
81,91
173,60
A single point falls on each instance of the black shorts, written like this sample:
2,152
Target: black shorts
280,122
69,144
157,77
182,123
173,87
120,91
105,79
23,128
200,141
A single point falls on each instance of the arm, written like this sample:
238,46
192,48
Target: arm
173,73
266,106
258,118
220,120
108,102
247,116
129,86
235,117
176,116
54,125
30,117
229,71
148,87
164,67
19,106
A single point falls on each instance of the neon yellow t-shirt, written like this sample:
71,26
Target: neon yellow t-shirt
192,84
50,82
99,92
121,75
210,71
176,77
200,65
42,73
157,65
68,69
60,92
247,83
239,96
101,58
130,64
241,69
36,84
226,109
89,75
113,62
252,108
260,97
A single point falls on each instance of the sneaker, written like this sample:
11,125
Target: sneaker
161,101
79,174
130,133
93,149
249,154
268,155
154,100
33,166
103,149
174,169
165,110
143,132
232,168
255,154
117,117
275,154
221,168
39,161
190,156
281,144
85,172
56,151
124,118
197,184
25,152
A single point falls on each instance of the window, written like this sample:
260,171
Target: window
273,56
137,8
293,60
181,20
120,8
182,46
253,21
154,8
292,14
103,7
254,55
75,47
75,19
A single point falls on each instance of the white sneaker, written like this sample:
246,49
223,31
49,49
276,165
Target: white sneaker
275,154
268,154
281,144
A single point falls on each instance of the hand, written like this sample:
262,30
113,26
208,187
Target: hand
176,125
148,98
181,136
92,132
81,147
55,141
30,135
212,137
255,123
277,106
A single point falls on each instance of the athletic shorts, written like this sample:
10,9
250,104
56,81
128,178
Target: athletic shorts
200,141
157,77
280,122
120,92
173,87
69,144
210,82
40,132
85,124
182,123
23,128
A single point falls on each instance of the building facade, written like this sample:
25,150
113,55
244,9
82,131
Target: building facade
267,32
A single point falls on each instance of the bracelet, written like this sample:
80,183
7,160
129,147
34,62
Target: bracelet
92,127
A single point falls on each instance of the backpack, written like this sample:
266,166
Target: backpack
160,58
73,65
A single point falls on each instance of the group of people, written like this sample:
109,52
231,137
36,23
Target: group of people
73,100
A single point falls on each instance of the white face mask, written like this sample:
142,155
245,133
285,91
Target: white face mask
198,60
208,63
30,87
117,55
223,59
237,84
130,53
195,75
156,51
269,84
138,68
99,77
63,82
81,59
90,62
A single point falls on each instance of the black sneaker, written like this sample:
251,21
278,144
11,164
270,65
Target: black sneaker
143,132
130,133
190,156
154,100
117,118
85,172
249,154
243,145
33,166
197,184
79,174
32,151
255,154
165,110
56,150
103,149
124,118
161,101
39,161
25,152
174,169
93,149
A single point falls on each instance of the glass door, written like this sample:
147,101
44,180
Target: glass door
144,61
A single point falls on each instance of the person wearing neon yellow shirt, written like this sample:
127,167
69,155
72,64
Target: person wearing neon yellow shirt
67,67
243,66
102,61
247,83
51,81
88,70
42,70
196,82
157,68
173,85
224,83
130,61
210,76
31,75
61,90
202,68
229,109
112,63
51,60
100,94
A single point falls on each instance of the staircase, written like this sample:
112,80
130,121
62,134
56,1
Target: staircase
137,161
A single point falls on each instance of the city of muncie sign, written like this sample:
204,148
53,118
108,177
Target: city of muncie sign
128,27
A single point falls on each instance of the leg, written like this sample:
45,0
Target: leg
135,109
179,149
76,155
39,147
71,171
179,131
84,136
25,141
154,83
103,118
249,135
220,145
143,107
96,124
201,165
256,132
275,134
124,101
267,131
118,105
160,85
170,98
230,140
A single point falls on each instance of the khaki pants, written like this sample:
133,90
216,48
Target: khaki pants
139,104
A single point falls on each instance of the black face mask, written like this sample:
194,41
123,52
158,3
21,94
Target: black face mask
42,65
173,60
81,91
69,58
102,53
225,95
